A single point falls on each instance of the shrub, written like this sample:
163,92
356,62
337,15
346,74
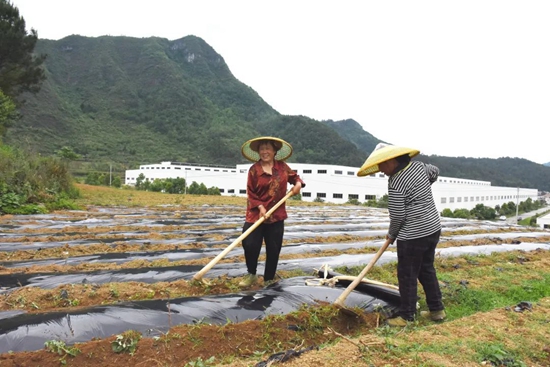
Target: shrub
29,181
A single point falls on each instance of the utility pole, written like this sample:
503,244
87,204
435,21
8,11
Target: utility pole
110,174
517,206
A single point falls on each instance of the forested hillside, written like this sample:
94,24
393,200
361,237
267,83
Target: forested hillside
511,172
136,100
129,101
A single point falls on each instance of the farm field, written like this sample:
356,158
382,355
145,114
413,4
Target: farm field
112,285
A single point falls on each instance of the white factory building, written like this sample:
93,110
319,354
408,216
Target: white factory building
336,184
544,221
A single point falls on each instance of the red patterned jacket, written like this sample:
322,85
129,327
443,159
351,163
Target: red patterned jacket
267,190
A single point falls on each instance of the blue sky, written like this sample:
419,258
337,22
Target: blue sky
452,78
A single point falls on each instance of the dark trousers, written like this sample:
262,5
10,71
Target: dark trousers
415,261
272,234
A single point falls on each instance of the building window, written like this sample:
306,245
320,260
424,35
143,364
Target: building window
471,198
465,199
207,169
216,170
231,191
321,195
337,196
337,172
451,200
477,198
197,169
307,171
321,171
443,200
187,169
223,170
459,199
222,191
353,196
306,194
243,171
177,167
381,175
370,197
351,173
242,191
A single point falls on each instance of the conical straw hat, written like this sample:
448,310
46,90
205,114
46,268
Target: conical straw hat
383,152
250,148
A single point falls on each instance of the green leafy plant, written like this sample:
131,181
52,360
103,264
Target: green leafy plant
498,356
126,342
199,362
59,347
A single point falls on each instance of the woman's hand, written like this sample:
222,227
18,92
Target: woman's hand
263,211
296,188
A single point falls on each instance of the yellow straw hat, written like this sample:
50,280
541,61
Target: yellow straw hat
250,148
383,152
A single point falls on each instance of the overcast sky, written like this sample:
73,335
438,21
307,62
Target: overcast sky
452,78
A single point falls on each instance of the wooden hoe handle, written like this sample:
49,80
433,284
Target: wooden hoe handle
220,256
340,300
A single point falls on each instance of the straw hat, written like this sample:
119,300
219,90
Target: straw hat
383,152
250,148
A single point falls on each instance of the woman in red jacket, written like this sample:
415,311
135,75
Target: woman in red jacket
267,183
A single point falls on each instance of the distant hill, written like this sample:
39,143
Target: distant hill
128,101
511,172
547,164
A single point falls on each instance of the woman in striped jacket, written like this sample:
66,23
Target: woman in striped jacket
415,224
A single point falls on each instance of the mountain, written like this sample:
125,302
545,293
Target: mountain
547,164
351,130
133,100
128,101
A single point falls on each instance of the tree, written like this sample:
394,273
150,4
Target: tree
117,182
20,69
202,189
213,191
383,201
7,112
194,188
67,153
483,212
157,185
93,178
447,213
140,181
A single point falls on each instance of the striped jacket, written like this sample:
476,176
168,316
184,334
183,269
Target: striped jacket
413,213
